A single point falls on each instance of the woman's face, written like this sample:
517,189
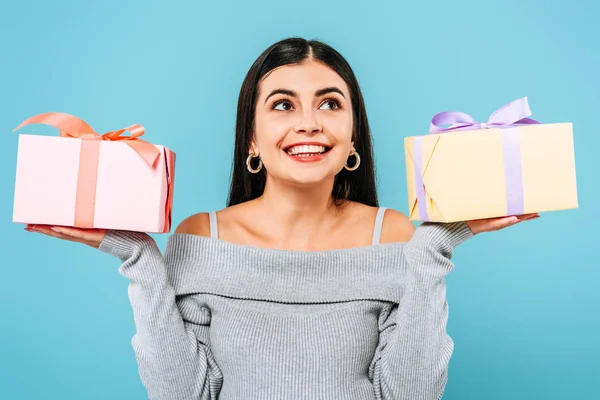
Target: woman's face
303,125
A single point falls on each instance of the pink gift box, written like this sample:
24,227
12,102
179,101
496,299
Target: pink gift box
85,180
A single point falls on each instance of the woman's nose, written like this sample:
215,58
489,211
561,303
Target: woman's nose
309,124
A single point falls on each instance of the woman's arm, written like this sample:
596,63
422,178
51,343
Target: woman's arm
173,357
414,352
412,359
172,360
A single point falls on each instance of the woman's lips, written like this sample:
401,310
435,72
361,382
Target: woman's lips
307,158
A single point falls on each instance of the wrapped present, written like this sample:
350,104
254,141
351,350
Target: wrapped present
86,180
510,165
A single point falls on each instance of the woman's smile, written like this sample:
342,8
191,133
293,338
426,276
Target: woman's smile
307,152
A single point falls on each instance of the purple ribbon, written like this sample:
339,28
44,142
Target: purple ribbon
507,118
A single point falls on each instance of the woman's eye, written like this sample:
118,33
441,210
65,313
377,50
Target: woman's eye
282,106
331,104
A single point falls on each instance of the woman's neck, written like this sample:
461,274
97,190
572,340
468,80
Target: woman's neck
296,213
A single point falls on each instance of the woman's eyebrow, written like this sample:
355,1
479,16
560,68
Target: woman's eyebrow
318,93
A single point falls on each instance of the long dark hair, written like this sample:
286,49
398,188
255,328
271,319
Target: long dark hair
358,185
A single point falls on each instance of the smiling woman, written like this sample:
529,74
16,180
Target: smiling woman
303,92
303,287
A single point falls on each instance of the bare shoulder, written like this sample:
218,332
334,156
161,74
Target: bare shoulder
197,224
397,227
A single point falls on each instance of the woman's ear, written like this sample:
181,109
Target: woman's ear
253,149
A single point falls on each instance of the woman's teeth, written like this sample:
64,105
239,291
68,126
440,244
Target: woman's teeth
306,150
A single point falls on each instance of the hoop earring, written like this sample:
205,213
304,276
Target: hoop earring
248,161
355,154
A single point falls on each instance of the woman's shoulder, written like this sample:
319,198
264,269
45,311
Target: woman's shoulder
199,223
396,226
196,224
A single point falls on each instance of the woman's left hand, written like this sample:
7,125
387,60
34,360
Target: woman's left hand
495,224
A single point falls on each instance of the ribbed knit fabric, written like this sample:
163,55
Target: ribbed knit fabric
217,320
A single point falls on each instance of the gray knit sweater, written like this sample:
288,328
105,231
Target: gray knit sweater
217,320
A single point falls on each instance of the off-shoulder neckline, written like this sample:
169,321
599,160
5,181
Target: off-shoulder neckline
215,242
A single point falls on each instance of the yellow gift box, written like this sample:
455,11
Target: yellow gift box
510,165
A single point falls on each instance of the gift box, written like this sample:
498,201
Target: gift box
86,180
510,165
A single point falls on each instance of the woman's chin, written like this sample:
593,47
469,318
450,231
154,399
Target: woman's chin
309,179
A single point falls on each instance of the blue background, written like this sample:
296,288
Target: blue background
524,302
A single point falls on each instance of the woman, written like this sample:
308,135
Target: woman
302,288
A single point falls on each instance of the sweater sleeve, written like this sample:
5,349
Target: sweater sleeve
412,359
173,361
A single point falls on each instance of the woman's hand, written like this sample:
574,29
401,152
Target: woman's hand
91,237
495,224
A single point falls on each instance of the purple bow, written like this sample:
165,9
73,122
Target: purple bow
508,118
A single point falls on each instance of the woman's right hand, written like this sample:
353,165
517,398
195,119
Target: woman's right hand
90,237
